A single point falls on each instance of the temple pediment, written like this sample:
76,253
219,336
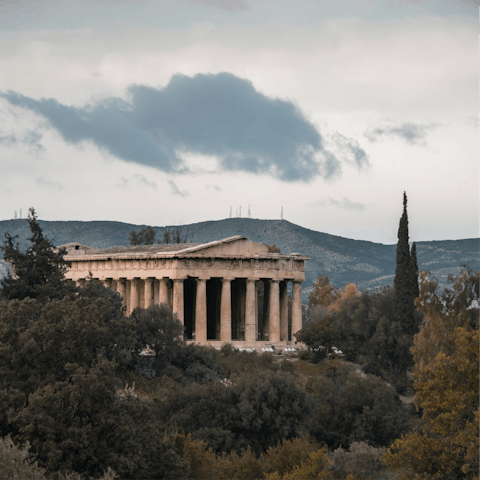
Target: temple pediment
238,246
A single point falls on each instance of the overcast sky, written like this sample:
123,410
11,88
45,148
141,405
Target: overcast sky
172,111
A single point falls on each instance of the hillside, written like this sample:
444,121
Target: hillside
368,264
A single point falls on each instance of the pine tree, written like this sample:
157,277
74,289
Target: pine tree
40,271
403,301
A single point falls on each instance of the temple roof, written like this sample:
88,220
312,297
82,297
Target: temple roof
237,246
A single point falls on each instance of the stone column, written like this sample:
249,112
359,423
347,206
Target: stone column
266,310
226,311
274,311
148,292
128,291
155,291
134,295
296,308
250,313
201,312
113,285
121,289
283,311
163,291
178,299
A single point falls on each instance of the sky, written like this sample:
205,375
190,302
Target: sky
171,112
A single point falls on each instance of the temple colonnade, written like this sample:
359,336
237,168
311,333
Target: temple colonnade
230,290
219,309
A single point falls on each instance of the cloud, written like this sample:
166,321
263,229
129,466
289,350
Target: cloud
350,151
215,188
47,184
344,203
232,5
175,190
33,138
399,3
410,132
474,4
8,139
135,182
219,115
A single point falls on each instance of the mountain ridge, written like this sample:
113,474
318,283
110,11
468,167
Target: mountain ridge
368,264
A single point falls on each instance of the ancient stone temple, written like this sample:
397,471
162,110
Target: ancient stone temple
227,291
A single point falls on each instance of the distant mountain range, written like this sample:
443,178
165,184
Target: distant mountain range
368,264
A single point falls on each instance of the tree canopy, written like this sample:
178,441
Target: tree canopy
447,385
61,366
146,236
37,273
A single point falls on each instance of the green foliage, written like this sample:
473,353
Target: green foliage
363,327
414,271
201,363
158,328
444,312
447,444
362,461
446,380
60,366
404,298
258,411
270,407
351,406
39,272
173,236
287,455
298,458
16,463
320,336
95,289
146,236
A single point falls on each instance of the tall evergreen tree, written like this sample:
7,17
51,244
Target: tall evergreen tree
40,271
414,271
403,301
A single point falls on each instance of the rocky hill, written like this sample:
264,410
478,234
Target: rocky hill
368,264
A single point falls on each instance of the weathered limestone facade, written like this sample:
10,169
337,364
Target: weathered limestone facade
215,288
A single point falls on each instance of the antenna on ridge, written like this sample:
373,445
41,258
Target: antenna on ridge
240,212
249,215
230,211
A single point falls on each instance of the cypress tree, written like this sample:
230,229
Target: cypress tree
403,301
414,266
